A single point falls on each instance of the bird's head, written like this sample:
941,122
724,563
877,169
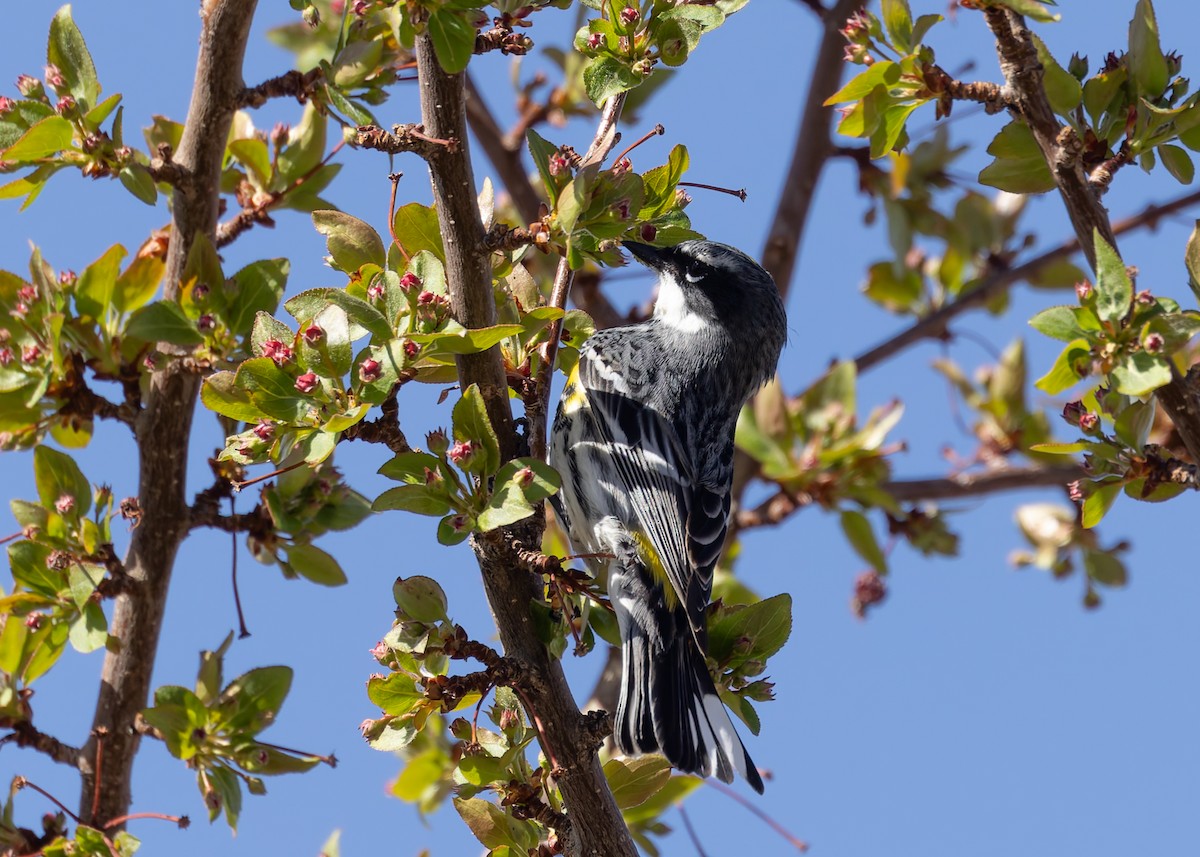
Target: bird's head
704,285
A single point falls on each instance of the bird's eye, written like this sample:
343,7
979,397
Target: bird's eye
694,271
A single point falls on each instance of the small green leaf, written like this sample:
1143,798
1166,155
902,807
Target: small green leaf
1031,9
68,51
1061,448
471,424
1097,504
421,599
1058,322
1146,60
1064,374
163,321
351,242
95,289
1191,261
897,17
1104,568
1141,373
634,781
752,631
1062,88
453,38
57,475
607,76
222,395
314,564
251,701
395,694
861,536
883,73
137,180
258,287
1178,163
46,137
1019,166
1114,291
418,499
416,228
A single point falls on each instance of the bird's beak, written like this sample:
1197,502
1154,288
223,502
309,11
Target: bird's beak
654,258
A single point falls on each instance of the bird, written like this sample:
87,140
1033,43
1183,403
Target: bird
643,439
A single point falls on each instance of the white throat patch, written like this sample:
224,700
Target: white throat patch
672,310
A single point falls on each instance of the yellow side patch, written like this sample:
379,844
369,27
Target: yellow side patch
573,397
650,558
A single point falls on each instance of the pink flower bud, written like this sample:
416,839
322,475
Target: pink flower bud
6,104
461,451
380,651
437,442
200,293
432,477
368,371
279,134
264,430
1153,343
622,166
1072,412
1145,298
1083,290
306,383
629,15
594,41
426,297
64,504
277,351
21,309
313,334
1075,491
559,165
29,86
682,198
525,477
411,349
1089,422
360,8
34,620
410,281
65,105
648,231
67,279
30,354
54,77
374,291
6,356
622,209
206,323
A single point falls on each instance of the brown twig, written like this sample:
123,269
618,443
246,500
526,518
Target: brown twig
793,840
293,84
165,422
25,734
404,138
503,39
384,429
182,821
602,143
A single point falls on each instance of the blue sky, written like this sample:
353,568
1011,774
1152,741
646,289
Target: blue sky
979,711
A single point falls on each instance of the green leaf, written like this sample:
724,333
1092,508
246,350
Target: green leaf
421,599
862,538
1104,568
163,321
1132,425
607,76
410,467
351,242
1097,504
272,390
90,631
1062,88
1061,448
46,137
897,17
1063,374
251,701
395,694
221,394
96,287
1114,291
68,51
57,475
314,564
136,179
1058,322
1019,166
137,284
251,152
467,341
471,423
1191,261
634,781
1141,373
883,73
518,485
1178,163
752,631
1146,60
307,305
419,499
258,287
304,149
229,792
453,38
494,828
416,228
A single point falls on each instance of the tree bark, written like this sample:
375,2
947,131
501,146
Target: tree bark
597,827
163,429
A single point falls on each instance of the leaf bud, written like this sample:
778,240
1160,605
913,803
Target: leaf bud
437,442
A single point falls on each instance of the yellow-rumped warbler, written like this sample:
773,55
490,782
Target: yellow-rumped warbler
643,439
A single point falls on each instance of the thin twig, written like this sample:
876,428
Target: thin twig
691,831
602,144
243,631
181,820
793,840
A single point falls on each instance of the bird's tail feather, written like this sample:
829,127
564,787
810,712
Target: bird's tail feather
669,703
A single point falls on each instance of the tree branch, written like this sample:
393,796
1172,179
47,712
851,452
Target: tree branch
597,827
936,324
25,734
294,84
1062,149
164,426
